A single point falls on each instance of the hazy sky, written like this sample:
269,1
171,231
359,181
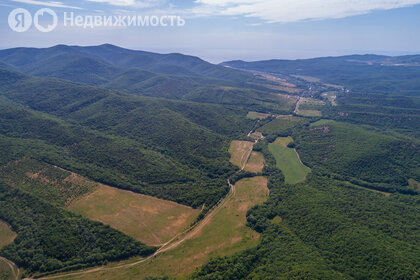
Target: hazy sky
219,30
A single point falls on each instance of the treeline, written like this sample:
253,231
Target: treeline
398,113
169,149
324,229
358,155
50,239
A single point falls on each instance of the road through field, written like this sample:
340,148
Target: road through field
13,267
189,235
171,244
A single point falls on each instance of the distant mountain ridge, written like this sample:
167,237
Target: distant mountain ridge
399,75
169,76
40,61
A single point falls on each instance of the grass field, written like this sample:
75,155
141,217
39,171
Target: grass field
239,152
255,163
280,125
257,116
6,234
150,220
288,161
307,78
321,122
5,271
225,234
283,141
310,113
309,107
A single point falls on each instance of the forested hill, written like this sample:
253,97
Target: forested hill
363,73
169,149
108,58
169,76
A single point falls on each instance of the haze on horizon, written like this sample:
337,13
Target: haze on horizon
220,30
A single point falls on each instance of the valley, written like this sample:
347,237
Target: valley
165,165
222,232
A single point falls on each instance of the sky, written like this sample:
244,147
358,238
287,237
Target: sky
221,30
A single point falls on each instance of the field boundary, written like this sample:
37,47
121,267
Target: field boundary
165,247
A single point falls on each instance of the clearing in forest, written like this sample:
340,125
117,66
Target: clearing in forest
145,218
309,107
225,234
288,161
240,151
255,162
148,219
257,116
6,234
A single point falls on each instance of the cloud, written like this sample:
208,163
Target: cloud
129,3
297,10
46,4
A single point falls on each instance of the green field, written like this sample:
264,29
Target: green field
281,126
321,122
257,116
287,160
310,113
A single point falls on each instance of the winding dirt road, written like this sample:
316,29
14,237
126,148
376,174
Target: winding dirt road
171,244
13,268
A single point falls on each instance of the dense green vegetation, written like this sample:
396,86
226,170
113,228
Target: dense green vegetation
279,127
365,157
176,147
328,230
46,182
51,239
173,150
400,113
170,76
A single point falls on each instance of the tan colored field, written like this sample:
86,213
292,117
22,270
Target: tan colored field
6,272
225,234
240,152
6,234
255,163
150,220
257,116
